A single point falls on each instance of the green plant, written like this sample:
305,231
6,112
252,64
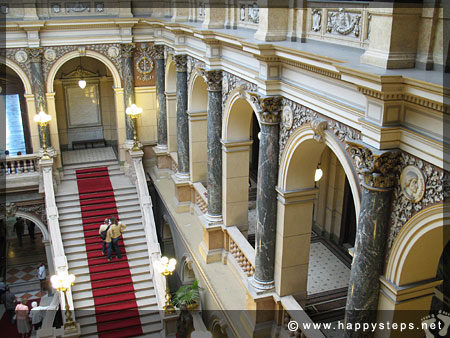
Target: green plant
187,295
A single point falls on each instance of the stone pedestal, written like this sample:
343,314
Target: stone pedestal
273,20
266,198
257,319
369,251
128,84
182,192
163,158
211,246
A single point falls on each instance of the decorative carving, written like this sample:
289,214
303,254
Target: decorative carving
230,82
180,62
316,19
343,22
269,108
21,56
78,7
191,64
113,52
319,126
287,117
412,182
242,16
253,13
375,167
127,49
56,8
11,209
343,132
436,190
201,9
213,78
35,54
50,54
4,9
158,52
144,64
99,7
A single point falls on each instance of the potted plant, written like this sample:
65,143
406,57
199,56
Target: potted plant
188,295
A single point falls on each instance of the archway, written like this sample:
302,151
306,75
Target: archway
86,116
237,140
14,84
197,115
410,279
171,105
297,197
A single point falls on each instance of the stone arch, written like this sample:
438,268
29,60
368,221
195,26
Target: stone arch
419,245
197,117
36,220
187,274
296,196
237,119
75,54
171,103
22,75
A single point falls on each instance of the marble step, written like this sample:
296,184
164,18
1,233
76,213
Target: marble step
150,330
132,255
130,238
125,217
91,164
119,198
67,195
74,232
71,174
124,205
144,298
142,278
80,256
123,212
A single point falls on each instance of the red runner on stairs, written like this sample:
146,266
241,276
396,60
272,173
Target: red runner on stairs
116,309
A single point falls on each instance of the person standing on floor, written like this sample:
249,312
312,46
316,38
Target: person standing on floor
19,228
30,226
23,322
9,299
102,232
36,316
42,276
113,236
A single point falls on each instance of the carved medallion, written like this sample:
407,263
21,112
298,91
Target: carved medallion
412,182
50,55
21,56
56,8
113,52
144,66
287,117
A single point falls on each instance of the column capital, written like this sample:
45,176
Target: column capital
268,108
213,79
127,49
35,54
377,167
181,62
158,52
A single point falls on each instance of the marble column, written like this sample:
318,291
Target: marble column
266,198
214,147
128,84
376,169
38,83
161,97
182,118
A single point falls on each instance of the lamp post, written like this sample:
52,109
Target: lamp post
62,281
167,268
134,111
43,119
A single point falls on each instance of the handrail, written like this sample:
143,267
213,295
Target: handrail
19,164
50,312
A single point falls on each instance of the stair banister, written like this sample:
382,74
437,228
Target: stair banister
154,250
59,257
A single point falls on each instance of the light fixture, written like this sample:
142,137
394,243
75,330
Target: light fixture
318,174
134,111
82,81
43,119
167,267
62,281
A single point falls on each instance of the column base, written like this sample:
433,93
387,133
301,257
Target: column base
211,246
210,255
261,287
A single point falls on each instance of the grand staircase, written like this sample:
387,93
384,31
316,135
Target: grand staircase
111,299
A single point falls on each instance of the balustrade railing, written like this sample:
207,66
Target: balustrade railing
20,164
241,252
200,197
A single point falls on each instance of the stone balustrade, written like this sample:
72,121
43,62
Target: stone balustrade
241,253
20,164
200,197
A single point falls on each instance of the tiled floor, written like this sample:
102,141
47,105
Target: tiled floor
88,155
325,272
22,274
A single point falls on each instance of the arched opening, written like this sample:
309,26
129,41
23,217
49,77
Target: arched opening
240,145
86,117
171,106
315,258
27,245
18,134
197,115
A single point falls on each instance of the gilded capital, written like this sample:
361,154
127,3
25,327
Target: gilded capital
35,54
158,52
268,108
181,62
213,79
377,167
127,49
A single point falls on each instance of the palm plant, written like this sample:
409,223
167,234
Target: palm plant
187,295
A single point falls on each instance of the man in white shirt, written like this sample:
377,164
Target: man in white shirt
102,232
42,277
37,315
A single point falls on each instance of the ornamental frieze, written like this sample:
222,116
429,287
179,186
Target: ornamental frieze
38,210
230,82
144,65
191,64
20,57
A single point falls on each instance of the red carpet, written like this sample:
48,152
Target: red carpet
116,309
